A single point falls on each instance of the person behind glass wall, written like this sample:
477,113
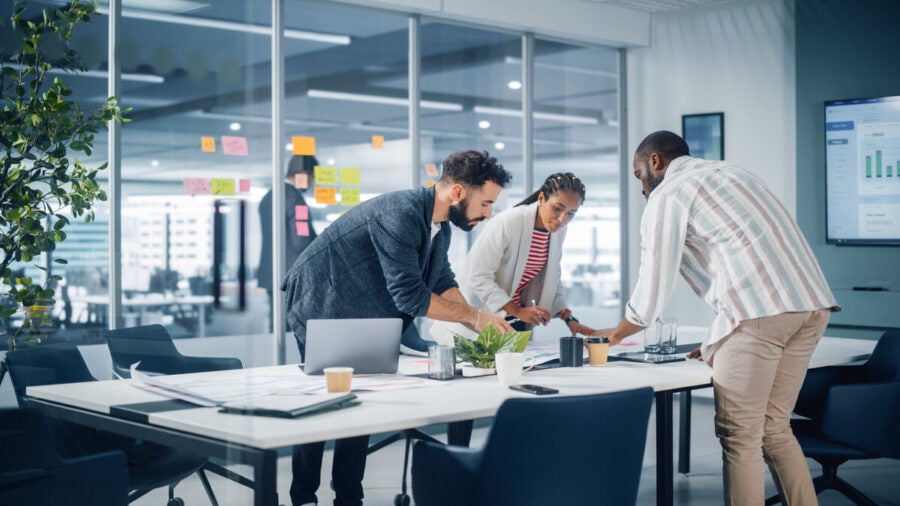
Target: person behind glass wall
741,251
387,258
514,265
294,244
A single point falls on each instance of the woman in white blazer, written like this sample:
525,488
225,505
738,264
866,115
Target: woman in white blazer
514,264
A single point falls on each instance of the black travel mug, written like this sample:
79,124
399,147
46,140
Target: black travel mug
570,354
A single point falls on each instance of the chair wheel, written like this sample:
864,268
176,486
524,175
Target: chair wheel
401,500
175,501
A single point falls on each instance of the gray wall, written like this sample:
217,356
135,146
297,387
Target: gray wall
844,49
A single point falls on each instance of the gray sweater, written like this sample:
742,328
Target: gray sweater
375,261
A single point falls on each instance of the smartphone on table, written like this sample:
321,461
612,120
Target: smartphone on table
534,389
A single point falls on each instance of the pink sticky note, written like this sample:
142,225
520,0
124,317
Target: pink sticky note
236,146
243,185
303,228
301,213
197,186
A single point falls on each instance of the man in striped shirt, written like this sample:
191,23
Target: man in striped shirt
740,250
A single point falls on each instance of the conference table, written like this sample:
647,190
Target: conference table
98,307
120,407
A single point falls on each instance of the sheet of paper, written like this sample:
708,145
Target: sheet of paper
326,195
325,175
302,228
235,146
304,145
208,144
222,186
350,176
349,196
301,213
197,186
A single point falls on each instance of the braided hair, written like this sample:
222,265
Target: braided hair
561,181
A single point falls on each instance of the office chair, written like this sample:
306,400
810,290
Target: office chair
150,466
31,471
557,450
853,413
152,346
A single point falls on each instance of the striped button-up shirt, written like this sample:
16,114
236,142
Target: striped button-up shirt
733,242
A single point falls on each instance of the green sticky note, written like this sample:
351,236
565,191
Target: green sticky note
350,176
222,186
325,175
349,196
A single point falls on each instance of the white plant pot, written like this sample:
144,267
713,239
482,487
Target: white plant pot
471,372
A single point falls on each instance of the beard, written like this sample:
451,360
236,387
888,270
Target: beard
653,182
459,217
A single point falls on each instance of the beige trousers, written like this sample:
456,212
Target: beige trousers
757,374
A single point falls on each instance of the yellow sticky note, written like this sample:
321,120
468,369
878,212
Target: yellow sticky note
304,145
349,196
222,186
377,141
350,176
326,195
429,184
325,175
208,144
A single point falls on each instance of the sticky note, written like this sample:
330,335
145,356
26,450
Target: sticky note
301,180
303,228
235,146
325,175
301,213
197,186
221,186
304,145
429,184
208,144
350,176
349,196
244,185
326,195
377,141
431,169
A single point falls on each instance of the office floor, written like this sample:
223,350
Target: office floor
877,478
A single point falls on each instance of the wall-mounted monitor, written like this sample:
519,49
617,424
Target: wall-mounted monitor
862,157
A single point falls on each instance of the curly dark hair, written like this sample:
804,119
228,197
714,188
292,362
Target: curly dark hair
561,181
474,168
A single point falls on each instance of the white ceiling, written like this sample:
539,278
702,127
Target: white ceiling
656,5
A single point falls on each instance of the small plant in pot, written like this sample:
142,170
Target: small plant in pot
480,351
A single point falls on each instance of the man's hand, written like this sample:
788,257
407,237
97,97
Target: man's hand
499,322
610,333
695,353
578,328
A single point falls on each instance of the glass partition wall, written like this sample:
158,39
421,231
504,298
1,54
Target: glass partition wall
196,159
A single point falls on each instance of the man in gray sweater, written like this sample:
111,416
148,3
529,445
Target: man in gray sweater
387,258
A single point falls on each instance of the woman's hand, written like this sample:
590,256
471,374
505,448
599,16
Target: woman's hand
535,315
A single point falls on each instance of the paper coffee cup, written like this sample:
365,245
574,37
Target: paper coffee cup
598,350
338,379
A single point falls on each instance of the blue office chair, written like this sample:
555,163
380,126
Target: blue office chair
852,413
32,472
150,466
561,450
152,346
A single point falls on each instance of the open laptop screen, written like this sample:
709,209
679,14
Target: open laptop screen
368,345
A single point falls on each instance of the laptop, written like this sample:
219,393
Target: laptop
368,345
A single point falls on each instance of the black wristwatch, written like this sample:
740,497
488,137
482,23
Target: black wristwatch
571,319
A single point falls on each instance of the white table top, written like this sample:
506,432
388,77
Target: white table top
401,409
146,301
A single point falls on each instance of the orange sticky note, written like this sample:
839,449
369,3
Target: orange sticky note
326,195
236,146
304,145
303,228
377,141
243,185
208,144
429,184
431,169
301,180
301,213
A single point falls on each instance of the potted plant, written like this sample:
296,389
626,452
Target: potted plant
42,182
480,351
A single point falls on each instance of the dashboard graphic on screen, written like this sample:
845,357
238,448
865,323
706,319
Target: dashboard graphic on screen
862,156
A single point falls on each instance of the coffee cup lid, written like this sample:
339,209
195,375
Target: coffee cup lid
596,340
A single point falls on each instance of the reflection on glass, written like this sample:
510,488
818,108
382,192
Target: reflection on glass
576,129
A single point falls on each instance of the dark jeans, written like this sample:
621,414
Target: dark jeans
346,471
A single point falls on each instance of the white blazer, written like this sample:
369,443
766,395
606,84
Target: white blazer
494,267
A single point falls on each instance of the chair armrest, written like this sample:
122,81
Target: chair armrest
865,416
206,364
445,474
818,382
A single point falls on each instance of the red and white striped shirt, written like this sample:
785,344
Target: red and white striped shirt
537,259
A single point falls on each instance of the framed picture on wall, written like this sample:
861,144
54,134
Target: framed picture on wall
705,134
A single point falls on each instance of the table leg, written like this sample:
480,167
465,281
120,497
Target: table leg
265,479
665,483
684,432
